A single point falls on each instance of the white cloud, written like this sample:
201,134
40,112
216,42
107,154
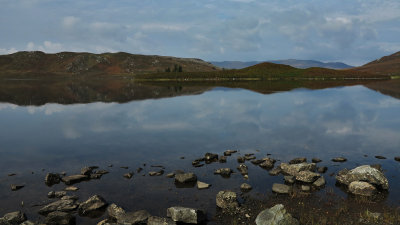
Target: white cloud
70,21
47,46
4,51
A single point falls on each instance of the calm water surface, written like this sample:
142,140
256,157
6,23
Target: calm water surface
355,122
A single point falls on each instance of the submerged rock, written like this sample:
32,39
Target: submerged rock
397,158
240,159
88,170
225,172
339,159
56,194
322,169
320,182
275,171
362,188
276,215
267,163
128,175
74,179
316,160
16,217
229,152
380,157
281,188
63,205
60,218
222,159
186,215
92,207
245,187
243,169
363,173
52,178
227,199
298,160
185,178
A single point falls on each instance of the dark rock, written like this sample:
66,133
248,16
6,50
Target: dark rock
74,179
249,157
11,218
131,218
305,188
95,176
275,171
222,159
307,176
128,175
227,199
52,178
339,159
27,222
267,163
380,157
289,179
245,187
155,220
56,194
11,174
60,218
276,215
87,170
138,170
322,169
225,172
281,188
298,160
229,152
93,207
170,175
240,159
363,173
185,178
377,166
124,167
243,169
210,157
397,158
316,160
63,205
362,188
186,215
156,173
102,172
257,161
15,187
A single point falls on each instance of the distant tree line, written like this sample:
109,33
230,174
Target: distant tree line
177,68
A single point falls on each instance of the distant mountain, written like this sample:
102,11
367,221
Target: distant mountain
387,65
37,62
301,64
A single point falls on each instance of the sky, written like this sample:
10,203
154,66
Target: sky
350,31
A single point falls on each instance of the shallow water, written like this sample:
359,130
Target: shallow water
353,121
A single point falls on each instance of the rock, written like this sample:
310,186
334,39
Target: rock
380,157
227,200
28,222
229,152
225,172
320,182
240,159
305,188
243,169
155,220
202,185
316,160
170,175
128,175
186,215
362,188
307,176
102,172
92,206
71,188
60,218
397,158
363,173
210,157
63,205
267,163
339,159
115,211
377,166
52,178
293,169
95,176
289,179
298,160
16,187
74,179
11,174
88,170
56,194
275,171
124,167
257,161
276,215
281,188
131,218
16,217
70,197
185,178
322,169
222,159
245,187
249,157
156,173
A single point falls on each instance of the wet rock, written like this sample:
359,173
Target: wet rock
397,158
155,220
115,211
60,218
71,188
229,152
249,157
240,159
225,172
95,176
156,173
363,173
185,178
289,179
275,171
131,218
243,169
305,188
56,194
52,178
281,188
170,175
70,197
298,160
186,215
138,170
92,207
102,172
339,159
322,169
307,176
316,160
245,187
28,222
16,217
74,179
320,182
202,185
11,174
276,215
222,159
293,169
257,161
210,157
267,163
227,199
16,187
380,157
88,170
377,166
63,205
362,188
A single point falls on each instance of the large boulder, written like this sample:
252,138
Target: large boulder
63,205
60,218
362,188
363,173
186,215
227,200
16,217
276,215
293,169
92,207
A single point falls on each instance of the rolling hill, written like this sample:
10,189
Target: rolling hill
69,63
301,64
388,65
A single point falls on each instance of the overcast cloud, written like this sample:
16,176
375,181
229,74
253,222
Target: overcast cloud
353,32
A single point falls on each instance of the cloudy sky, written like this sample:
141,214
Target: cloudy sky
351,31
